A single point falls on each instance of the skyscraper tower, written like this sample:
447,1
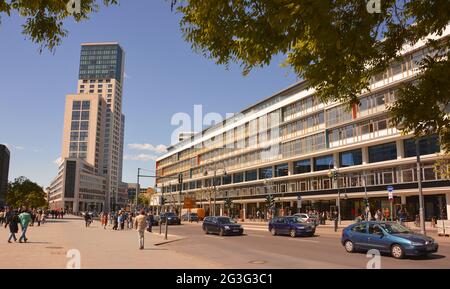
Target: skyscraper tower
90,173
102,73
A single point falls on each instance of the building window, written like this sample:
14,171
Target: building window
427,145
238,177
226,180
250,175
86,105
75,125
76,105
84,125
384,152
74,136
350,158
85,115
76,115
265,173
303,166
323,163
281,170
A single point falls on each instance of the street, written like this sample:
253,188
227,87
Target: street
189,247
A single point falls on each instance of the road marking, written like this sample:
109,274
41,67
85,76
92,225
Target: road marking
255,228
304,240
259,236
214,237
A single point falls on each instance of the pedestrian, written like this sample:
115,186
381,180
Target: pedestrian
13,222
104,220
39,218
87,219
2,217
140,223
335,217
115,223
150,222
24,219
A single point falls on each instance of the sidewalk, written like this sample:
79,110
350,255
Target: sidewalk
49,245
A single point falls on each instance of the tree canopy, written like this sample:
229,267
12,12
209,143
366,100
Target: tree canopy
337,46
44,20
23,192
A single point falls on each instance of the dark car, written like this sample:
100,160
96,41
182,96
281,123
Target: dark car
292,226
387,237
222,226
171,218
191,217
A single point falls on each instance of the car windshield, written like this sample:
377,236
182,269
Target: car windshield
395,228
225,221
294,219
170,214
193,214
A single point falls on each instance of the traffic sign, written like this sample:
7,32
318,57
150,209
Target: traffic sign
390,194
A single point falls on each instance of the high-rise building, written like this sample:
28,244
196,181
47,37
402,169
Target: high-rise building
291,152
4,170
93,133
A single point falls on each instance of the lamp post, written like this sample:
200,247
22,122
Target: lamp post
419,184
138,190
334,174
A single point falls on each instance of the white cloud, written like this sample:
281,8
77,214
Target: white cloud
14,147
148,147
140,157
57,161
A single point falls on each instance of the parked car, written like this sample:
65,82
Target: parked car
191,217
171,218
293,226
222,226
387,237
313,219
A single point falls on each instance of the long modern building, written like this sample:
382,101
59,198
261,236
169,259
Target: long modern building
90,174
4,170
310,155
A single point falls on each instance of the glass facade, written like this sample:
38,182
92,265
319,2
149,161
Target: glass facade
281,170
101,62
383,152
427,145
301,167
323,163
251,175
350,158
265,173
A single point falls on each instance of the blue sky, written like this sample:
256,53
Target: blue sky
163,77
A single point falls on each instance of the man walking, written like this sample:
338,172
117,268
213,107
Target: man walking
140,223
25,219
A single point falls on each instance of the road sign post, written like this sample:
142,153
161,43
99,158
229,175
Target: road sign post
299,203
391,200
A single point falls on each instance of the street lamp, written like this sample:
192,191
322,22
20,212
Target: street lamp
334,174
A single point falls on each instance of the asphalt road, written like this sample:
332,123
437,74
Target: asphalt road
259,249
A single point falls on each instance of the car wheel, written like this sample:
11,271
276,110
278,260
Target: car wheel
292,233
273,231
205,230
397,251
349,246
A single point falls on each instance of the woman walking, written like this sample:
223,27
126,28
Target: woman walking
13,222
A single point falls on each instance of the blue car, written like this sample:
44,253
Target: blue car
292,226
387,237
222,226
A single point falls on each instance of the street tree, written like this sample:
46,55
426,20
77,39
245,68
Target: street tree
44,20
23,192
338,46
144,199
